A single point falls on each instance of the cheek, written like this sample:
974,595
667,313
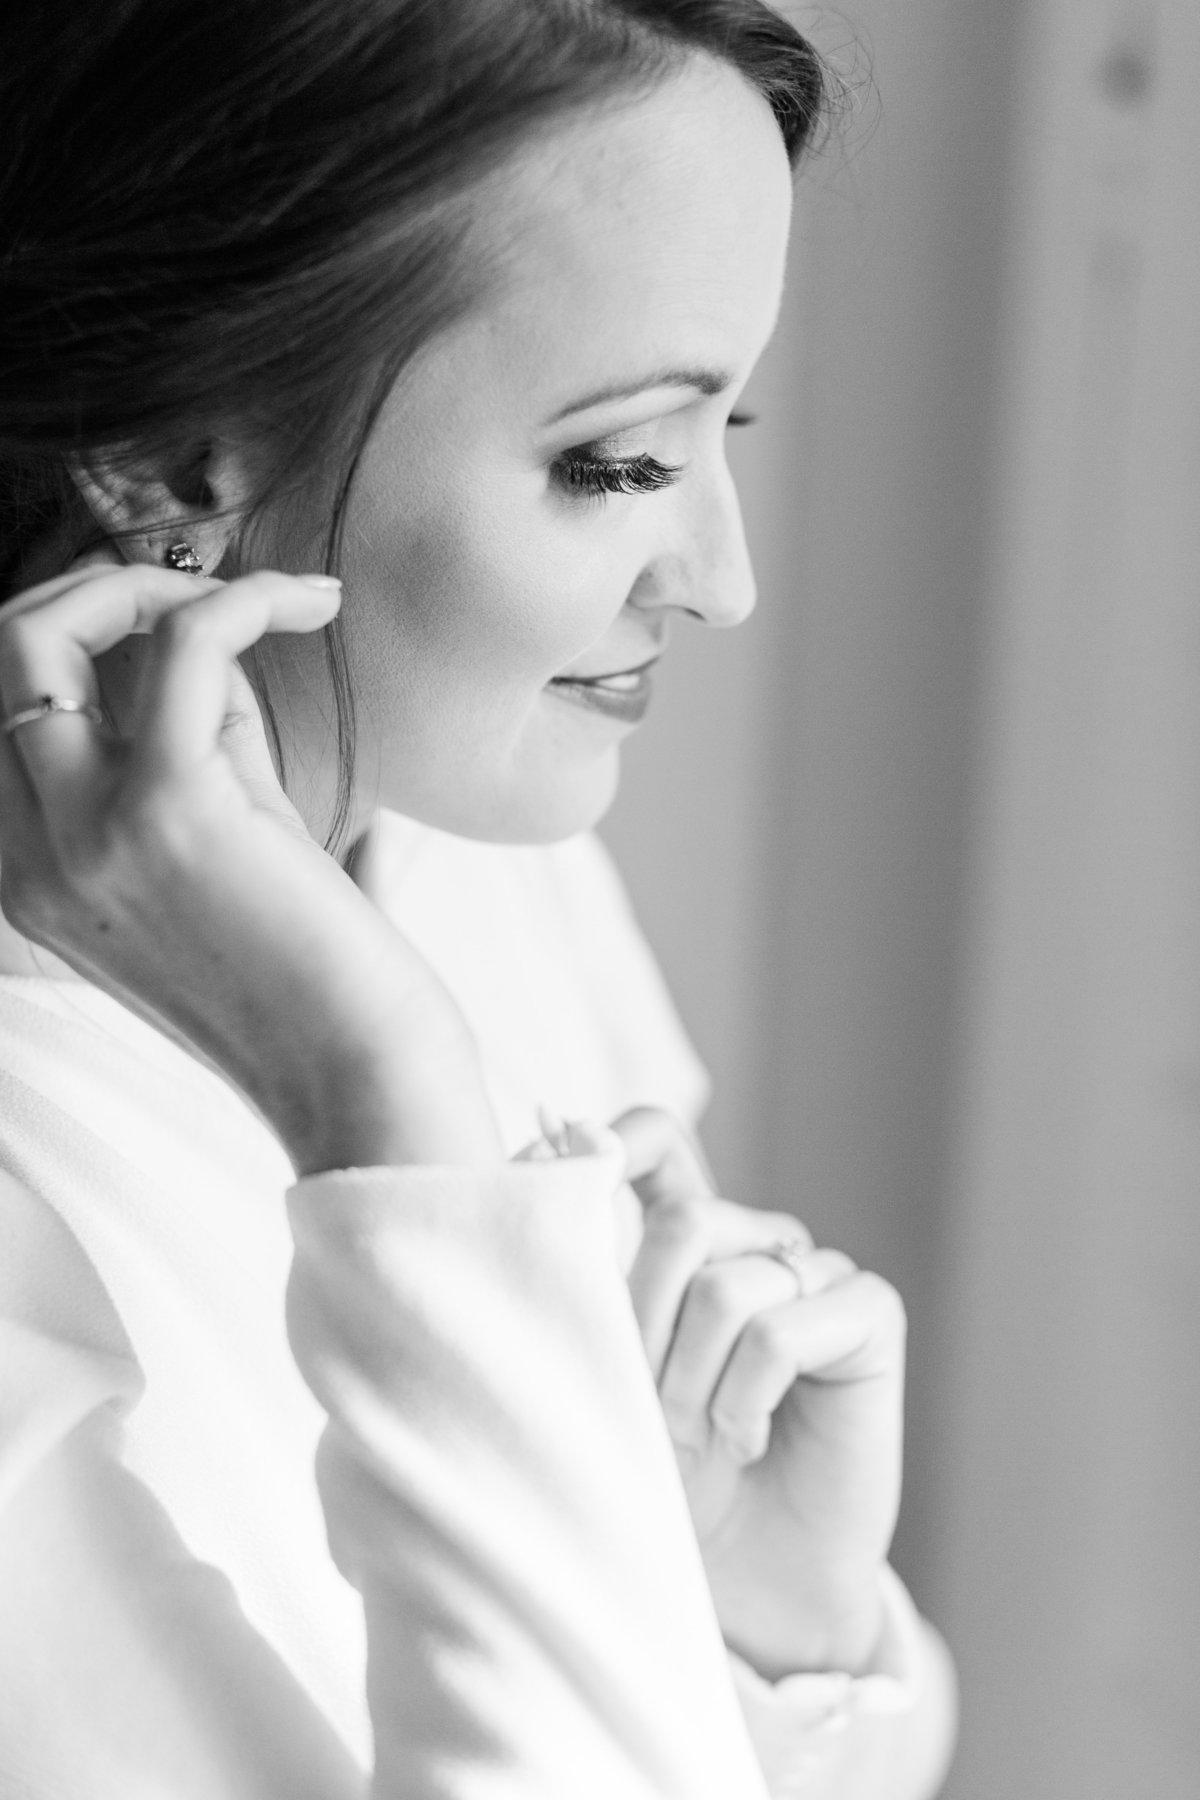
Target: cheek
491,601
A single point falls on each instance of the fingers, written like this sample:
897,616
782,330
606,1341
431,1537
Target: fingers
679,1238
850,1330
565,1137
820,1269
662,1160
685,1225
100,606
729,1329
721,1299
49,637
243,742
187,683
678,1246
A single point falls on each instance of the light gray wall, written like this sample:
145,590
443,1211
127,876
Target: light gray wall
1068,1565
921,850
793,817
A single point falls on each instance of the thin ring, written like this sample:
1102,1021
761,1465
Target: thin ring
793,1253
47,704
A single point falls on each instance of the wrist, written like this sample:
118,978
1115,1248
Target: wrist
386,1109
837,1628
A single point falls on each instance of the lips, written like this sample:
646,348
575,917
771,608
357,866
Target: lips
621,694
618,680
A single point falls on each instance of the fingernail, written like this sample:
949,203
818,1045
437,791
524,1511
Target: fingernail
320,581
741,1447
554,1131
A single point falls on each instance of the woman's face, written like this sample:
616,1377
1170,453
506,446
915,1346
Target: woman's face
641,252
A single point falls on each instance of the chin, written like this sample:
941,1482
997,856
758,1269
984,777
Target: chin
544,808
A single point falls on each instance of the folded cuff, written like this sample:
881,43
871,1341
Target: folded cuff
796,1722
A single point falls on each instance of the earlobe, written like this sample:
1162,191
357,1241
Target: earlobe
151,511
183,556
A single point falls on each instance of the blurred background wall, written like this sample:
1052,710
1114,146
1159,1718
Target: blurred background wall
919,846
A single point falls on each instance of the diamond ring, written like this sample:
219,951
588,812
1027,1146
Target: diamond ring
793,1253
47,704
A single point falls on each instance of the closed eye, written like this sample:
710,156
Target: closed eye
582,472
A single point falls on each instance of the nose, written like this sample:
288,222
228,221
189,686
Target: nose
702,566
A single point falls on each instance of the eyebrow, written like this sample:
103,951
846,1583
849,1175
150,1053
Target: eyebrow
706,381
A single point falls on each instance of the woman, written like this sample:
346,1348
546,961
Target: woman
455,301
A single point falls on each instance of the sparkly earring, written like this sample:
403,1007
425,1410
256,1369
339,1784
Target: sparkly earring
182,556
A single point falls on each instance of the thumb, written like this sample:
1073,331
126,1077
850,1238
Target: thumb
243,739
664,1161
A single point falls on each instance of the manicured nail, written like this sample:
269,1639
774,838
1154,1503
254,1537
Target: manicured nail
555,1132
320,581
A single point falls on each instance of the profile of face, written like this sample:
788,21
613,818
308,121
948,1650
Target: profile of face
546,485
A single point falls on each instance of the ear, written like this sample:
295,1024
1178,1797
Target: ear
198,501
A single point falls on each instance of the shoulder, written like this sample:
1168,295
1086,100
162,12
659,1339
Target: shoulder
627,984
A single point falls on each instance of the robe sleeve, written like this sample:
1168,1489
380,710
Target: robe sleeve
535,1601
500,1487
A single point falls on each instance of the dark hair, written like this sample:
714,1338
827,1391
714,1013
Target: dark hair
241,219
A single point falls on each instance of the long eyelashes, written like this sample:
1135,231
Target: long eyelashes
581,471
596,475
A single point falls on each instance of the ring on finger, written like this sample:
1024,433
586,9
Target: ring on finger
44,706
793,1253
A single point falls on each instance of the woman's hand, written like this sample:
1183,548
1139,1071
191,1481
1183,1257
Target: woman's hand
168,867
783,1394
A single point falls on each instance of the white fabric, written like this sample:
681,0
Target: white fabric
500,1590
146,1254
541,948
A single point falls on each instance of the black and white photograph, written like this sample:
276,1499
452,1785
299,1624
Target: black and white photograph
599,900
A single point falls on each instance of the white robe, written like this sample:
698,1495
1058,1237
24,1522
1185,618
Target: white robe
496,1482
